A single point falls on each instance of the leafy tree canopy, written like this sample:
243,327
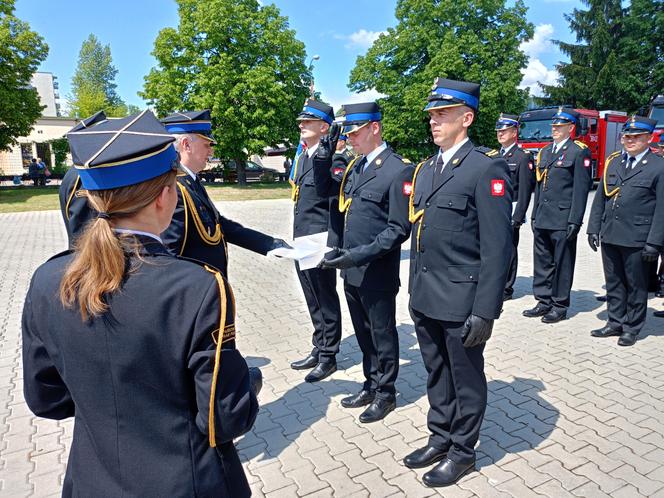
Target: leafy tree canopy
471,40
21,52
242,61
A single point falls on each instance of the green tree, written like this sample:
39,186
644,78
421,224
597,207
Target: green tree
93,84
240,60
21,52
617,61
471,40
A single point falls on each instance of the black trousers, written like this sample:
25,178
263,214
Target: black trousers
456,386
554,259
373,314
320,292
514,262
626,276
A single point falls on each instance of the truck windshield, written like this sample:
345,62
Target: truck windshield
535,131
657,114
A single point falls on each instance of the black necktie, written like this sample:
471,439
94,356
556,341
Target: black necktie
629,164
361,165
502,151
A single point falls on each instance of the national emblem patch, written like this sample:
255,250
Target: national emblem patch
407,188
586,162
338,171
497,188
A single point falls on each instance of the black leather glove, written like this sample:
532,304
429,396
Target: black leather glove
476,331
572,231
278,244
341,260
593,241
327,146
649,253
255,380
516,224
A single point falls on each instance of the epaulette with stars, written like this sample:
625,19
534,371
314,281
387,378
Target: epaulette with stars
487,151
580,144
402,159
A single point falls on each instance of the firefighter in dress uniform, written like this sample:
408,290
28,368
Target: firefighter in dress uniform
627,218
312,214
198,230
134,343
522,175
460,207
564,179
373,195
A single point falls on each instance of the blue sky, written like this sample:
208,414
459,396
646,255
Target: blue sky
337,30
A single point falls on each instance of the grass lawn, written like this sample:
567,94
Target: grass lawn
27,198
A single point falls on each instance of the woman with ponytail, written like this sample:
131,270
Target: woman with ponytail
135,344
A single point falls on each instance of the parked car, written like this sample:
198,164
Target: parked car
255,172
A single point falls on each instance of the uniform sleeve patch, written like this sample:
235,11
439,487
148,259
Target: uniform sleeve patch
407,188
497,188
338,171
586,162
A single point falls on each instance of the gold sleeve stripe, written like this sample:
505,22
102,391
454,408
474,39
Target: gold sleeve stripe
71,196
217,356
343,203
412,215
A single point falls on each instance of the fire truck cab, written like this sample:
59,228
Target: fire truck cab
656,112
599,130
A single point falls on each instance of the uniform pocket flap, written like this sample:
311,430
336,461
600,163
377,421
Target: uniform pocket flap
564,204
452,201
417,198
642,220
369,195
308,181
564,164
464,273
642,183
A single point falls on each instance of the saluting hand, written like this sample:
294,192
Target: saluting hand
328,143
476,331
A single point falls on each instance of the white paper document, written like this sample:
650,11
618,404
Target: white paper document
308,250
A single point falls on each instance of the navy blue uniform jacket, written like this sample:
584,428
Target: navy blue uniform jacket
199,232
462,238
138,381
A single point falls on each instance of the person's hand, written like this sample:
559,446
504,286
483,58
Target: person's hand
593,241
650,253
476,331
327,146
572,231
340,260
515,224
278,244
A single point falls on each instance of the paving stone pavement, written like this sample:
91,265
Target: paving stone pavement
568,415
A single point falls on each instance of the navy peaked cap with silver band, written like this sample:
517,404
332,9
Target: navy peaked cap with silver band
196,122
354,116
449,93
313,110
637,125
120,152
564,116
507,121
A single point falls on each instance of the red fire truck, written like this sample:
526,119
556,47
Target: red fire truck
656,112
599,130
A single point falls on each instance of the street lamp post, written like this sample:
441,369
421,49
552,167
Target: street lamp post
311,69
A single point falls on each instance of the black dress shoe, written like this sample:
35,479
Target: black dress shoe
306,363
447,473
424,457
659,314
507,296
378,410
601,298
606,331
538,310
626,339
554,316
321,371
363,398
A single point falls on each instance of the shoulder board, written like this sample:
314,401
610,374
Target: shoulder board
580,144
486,150
402,159
613,155
61,254
198,262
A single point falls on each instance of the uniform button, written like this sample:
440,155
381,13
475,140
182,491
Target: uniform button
623,183
546,200
470,277
428,204
617,205
424,269
616,217
424,227
369,195
449,203
422,250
